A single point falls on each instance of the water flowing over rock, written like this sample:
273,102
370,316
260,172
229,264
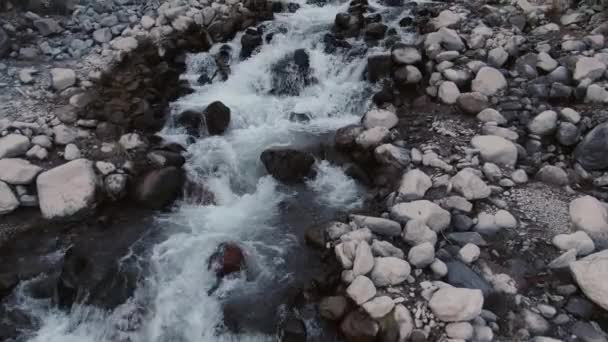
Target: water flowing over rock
159,188
227,259
288,165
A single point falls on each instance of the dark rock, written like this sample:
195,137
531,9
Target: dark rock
167,158
228,258
592,151
518,20
373,18
293,330
406,21
462,222
159,188
223,30
342,20
288,165
332,43
462,238
379,66
299,117
538,90
461,275
560,75
385,95
567,134
249,42
586,332
291,74
192,121
8,282
346,136
204,79
5,43
580,307
393,3
217,118
107,131
375,31
560,92
473,103
292,7
333,308
315,237
359,327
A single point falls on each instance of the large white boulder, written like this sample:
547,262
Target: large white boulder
364,260
451,304
495,149
8,200
13,145
361,290
18,171
588,214
390,271
428,212
591,275
414,184
471,186
67,189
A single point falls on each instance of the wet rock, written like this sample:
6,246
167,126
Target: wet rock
159,188
291,74
414,184
392,155
192,121
217,118
591,152
5,43
375,30
17,171
288,165
553,175
62,78
389,271
67,189
249,42
456,304
408,74
333,308
446,38
469,185
488,81
590,274
228,258
380,118
461,275
373,137
496,150
8,200
116,185
293,330
361,290
422,255
472,103
446,18
13,145
428,212
379,66
357,326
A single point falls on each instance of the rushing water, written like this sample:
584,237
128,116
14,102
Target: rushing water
171,301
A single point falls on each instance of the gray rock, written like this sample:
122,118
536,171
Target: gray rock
496,150
422,255
451,304
446,38
553,175
8,200
380,118
372,137
416,232
102,35
578,240
590,274
473,103
469,185
389,154
504,219
13,145
62,78
590,215
587,67
71,152
379,307
116,185
461,275
535,323
497,57
406,55
463,238
567,134
469,253
461,330
546,62
428,212
390,271
446,18
491,115
364,260
591,152
65,134
47,26
488,81
377,225
386,249
448,92
414,184
361,290
18,171
439,268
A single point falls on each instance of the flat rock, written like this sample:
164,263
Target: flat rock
451,304
18,171
67,189
377,225
13,145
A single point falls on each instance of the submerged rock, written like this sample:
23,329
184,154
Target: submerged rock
288,165
159,188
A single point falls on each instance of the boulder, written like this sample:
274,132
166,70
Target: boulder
446,38
451,304
590,152
446,18
577,240
389,154
13,145
380,118
361,290
386,249
469,185
590,215
427,212
364,260
378,225
406,55
47,26
373,137
287,165
495,149
8,200
488,81
228,258
588,68
491,115
67,189
414,184
553,175
192,121
416,233
389,271
422,255
62,78
159,188
217,118
18,171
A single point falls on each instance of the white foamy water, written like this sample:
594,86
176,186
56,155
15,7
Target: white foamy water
172,302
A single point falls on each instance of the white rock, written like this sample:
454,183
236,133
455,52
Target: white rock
486,223
570,115
336,229
488,81
62,78
17,171
404,321
102,35
546,62
65,134
67,189
131,141
491,115
416,233
496,150
587,67
105,168
469,185
414,184
390,271
544,123
13,145
345,253
445,19
590,274
372,137
492,171
590,215
8,201
483,334
386,249
504,219
361,290
578,240
469,253
406,55
461,330
364,260
377,225
42,141
451,304
357,235
439,268
71,152
497,56
125,44
379,307
428,212
448,92
147,22
380,118
519,176
422,255
37,152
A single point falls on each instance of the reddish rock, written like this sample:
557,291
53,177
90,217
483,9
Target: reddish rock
227,259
